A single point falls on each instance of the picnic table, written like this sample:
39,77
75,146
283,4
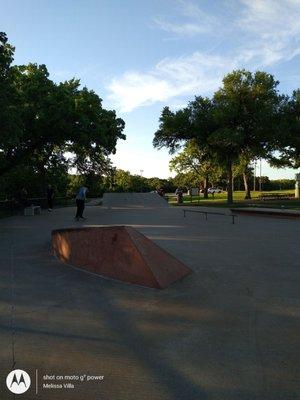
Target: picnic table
32,210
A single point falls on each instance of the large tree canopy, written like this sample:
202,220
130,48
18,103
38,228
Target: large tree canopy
287,143
241,122
42,121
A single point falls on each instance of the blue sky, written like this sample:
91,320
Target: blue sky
140,55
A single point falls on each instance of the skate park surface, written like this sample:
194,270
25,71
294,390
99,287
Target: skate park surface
229,330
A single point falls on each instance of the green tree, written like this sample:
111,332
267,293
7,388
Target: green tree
239,123
122,181
46,120
10,123
195,161
246,110
287,143
186,180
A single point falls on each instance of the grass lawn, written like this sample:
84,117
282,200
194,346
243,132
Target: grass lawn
219,200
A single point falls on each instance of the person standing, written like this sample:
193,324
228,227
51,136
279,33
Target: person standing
24,197
160,191
50,197
179,194
80,200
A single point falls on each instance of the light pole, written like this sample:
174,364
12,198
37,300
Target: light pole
254,177
141,171
260,183
297,186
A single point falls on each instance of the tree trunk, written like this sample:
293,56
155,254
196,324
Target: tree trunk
206,187
43,181
246,186
230,183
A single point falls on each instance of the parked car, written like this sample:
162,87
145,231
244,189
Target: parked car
214,190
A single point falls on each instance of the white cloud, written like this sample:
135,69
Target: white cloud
196,73
134,159
196,20
263,33
272,28
134,89
188,28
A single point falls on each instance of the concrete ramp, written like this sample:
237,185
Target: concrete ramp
118,252
134,200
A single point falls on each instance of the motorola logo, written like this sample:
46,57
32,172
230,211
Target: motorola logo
18,381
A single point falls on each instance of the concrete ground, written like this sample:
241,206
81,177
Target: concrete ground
228,331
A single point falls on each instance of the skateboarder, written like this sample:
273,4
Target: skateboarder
80,200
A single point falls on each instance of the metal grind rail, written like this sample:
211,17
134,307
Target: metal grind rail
206,213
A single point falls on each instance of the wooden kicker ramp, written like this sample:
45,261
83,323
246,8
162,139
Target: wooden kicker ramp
118,252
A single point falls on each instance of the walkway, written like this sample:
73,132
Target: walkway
229,331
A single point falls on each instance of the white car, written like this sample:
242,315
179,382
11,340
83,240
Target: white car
214,190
